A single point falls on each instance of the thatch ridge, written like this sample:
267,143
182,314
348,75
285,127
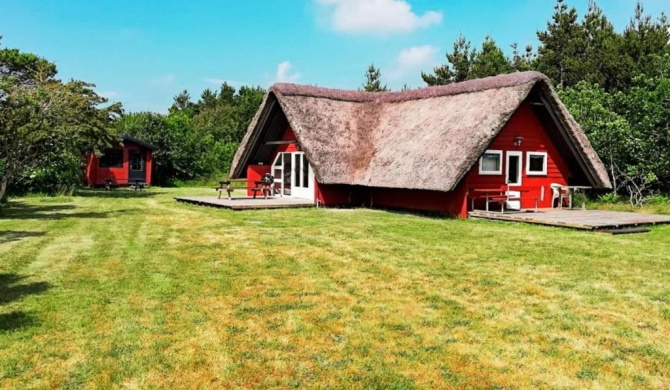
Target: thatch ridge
423,139
470,86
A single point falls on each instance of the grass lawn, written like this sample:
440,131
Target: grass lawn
136,290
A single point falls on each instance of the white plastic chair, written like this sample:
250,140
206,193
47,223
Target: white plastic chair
557,193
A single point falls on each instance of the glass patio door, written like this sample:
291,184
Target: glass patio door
302,177
293,175
282,171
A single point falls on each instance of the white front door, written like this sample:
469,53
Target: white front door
513,168
302,177
513,171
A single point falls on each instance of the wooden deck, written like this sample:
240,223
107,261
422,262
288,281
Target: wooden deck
577,219
244,203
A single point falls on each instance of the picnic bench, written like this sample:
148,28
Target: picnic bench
503,196
241,184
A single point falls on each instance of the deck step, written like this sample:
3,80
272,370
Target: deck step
625,231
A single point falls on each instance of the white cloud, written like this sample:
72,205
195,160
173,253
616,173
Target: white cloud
284,74
376,16
412,60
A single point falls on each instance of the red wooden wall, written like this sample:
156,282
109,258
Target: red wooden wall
255,173
97,175
524,123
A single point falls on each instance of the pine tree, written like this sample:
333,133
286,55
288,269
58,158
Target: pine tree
603,61
458,66
490,61
182,102
562,49
645,42
373,81
523,62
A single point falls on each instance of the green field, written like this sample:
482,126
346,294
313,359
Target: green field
106,290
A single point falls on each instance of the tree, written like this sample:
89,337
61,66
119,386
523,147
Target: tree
604,62
182,102
645,42
490,61
208,98
645,107
373,81
522,62
458,66
596,111
43,119
227,94
561,53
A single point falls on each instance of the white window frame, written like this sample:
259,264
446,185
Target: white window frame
544,166
491,173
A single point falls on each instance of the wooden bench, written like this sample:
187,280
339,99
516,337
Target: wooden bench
504,195
228,186
139,185
493,195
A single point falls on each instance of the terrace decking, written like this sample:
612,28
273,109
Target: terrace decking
244,203
577,219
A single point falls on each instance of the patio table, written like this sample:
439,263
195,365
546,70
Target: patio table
572,190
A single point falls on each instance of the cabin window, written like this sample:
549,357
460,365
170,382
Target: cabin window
111,159
536,163
491,163
136,160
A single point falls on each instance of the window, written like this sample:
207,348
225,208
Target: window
136,160
536,163
491,163
111,158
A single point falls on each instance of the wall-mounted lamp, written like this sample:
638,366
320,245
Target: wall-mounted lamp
517,141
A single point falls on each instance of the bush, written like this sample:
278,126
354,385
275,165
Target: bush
610,197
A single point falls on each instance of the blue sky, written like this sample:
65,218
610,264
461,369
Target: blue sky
143,52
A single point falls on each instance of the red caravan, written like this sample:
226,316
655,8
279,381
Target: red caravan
123,165
419,150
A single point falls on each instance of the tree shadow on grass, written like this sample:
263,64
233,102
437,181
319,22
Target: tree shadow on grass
13,288
16,320
17,235
21,210
118,193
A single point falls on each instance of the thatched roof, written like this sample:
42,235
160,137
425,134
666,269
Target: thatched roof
422,139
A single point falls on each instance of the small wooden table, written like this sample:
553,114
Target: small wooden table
572,190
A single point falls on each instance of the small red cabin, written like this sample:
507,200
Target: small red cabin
126,164
429,149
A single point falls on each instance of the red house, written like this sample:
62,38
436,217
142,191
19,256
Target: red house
126,164
422,150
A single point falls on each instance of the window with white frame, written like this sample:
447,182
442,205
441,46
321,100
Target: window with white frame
491,163
536,163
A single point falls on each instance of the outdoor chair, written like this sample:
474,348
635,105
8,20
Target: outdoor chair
560,194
